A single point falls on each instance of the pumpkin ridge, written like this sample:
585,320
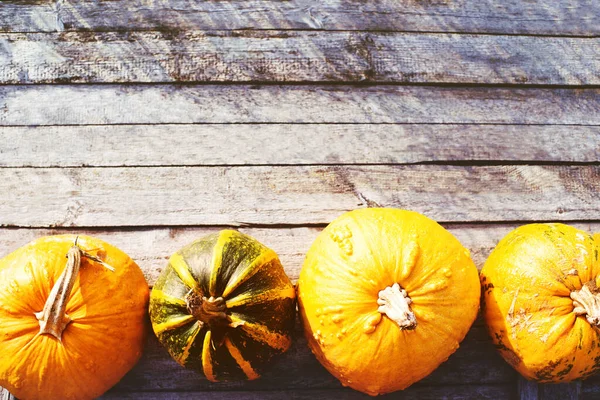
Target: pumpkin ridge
257,298
207,363
173,323
181,267
159,295
263,334
262,260
181,359
217,259
237,356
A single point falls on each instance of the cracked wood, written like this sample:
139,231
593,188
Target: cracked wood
280,56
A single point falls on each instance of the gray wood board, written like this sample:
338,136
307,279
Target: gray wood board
297,56
55,197
293,144
151,247
540,17
152,104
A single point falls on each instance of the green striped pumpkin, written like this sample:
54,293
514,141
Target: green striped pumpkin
224,306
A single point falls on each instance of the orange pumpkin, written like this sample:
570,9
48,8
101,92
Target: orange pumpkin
542,301
386,296
70,327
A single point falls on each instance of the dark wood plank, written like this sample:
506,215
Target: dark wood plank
297,56
151,104
560,17
148,145
529,390
460,392
42,197
151,247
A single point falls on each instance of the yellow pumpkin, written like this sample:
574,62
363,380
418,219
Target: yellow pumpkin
542,301
72,318
386,296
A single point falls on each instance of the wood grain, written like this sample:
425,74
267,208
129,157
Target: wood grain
156,145
152,104
540,17
292,195
151,247
304,56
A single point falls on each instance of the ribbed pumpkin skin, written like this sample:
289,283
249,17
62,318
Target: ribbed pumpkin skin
105,338
527,281
259,297
358,255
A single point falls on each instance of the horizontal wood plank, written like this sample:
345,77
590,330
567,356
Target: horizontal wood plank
530,390
296,56
151,247
152,104
35,197
461,392
148,145
560,17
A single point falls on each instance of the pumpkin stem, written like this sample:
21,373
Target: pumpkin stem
587,302
53,318
211,310
394,303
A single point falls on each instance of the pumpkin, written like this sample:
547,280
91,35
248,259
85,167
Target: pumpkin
386,296
72,318
224,306
542,301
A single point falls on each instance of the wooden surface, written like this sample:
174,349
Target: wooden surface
152,123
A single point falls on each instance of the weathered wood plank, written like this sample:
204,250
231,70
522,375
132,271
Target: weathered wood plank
296,56
460,392
36,197
529,390
566,17
590,388
151,247
148,145
151,104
